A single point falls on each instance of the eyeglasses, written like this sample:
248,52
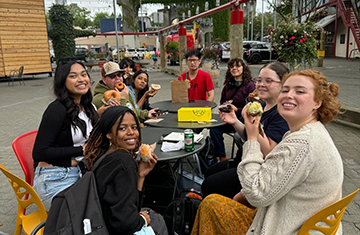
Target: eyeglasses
193,61
114,75
266,81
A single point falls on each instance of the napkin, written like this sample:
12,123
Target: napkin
154,120
168,147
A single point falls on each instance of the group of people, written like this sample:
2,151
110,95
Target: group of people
293,165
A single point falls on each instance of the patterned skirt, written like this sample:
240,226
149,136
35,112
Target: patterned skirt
221,215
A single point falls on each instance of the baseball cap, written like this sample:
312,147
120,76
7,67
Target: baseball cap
111,67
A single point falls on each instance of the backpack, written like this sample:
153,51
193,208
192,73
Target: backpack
180,215
77,209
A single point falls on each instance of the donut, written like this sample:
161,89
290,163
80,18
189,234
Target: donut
145,151
155,87
111,93
255,109
120,86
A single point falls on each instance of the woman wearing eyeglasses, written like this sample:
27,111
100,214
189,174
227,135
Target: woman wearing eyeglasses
222,178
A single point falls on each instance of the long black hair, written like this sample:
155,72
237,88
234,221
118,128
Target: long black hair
246,75
127,62
146,104
98,144
62,94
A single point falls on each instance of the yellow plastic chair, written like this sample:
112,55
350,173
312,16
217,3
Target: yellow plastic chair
336,209
26,223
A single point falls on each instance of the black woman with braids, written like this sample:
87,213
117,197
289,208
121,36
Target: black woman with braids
119,177
65,126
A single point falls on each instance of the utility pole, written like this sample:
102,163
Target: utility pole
262,20
142,18
116,32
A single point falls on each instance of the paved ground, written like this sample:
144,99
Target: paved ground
21,109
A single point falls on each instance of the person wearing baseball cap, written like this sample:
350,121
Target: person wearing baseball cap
110,75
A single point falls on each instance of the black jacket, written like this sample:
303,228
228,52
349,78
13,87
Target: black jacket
54,143
116,179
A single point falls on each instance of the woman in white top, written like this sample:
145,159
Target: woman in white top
65,126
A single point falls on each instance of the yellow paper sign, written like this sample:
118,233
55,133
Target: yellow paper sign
321,53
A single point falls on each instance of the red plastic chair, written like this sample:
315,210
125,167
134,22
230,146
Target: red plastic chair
101,64
23,147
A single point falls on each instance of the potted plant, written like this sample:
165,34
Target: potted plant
172,51
210,64
295,43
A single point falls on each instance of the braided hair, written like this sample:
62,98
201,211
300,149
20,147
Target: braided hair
98,144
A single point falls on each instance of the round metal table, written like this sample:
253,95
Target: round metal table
174,107
150,135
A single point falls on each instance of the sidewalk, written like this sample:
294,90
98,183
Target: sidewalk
22,107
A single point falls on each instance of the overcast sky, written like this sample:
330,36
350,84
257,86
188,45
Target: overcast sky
96,6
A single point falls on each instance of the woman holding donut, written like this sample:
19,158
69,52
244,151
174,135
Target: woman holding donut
139,88
65,126
119,177
221,178
304,170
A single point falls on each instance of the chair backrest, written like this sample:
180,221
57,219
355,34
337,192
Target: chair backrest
101,64
23,147
21,188
21,71
335,210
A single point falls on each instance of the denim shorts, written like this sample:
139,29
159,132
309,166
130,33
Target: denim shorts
50,181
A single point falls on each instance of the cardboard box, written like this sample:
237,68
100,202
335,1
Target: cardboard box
194,114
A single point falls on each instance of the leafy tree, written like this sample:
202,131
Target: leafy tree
98,16
221,23
62,31
81,15
268,23
84,33
48,22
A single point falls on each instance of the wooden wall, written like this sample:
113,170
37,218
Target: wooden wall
23,37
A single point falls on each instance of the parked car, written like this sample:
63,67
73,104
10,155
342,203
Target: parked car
132,53
141,52
255,52
82,53
223,48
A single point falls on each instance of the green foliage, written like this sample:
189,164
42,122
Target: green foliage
98,16
268,23
81,15
221,22
61,31
295,43
84,33
172,48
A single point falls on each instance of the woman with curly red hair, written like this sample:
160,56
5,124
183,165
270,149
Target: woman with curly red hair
304,170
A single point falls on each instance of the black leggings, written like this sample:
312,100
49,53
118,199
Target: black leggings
222,179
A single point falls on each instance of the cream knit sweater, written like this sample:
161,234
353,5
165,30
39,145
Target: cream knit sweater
303,174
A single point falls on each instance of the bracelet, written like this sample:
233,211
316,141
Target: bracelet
146,224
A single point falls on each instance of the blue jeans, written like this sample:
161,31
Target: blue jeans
216,135
49,181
